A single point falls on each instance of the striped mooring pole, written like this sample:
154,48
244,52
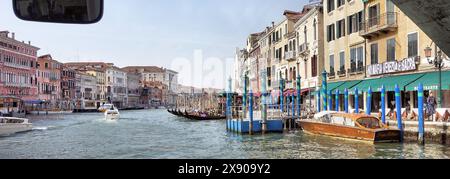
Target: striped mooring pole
330,100
346,100
250,106
383,104
299,96
337,100
369,101
398,105
324,90
356,101
421,116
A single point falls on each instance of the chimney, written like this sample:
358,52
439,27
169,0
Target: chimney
29,42
273,24
13,36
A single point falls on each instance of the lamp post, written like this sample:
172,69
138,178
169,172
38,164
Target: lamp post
438,63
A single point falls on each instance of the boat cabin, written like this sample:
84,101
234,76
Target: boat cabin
351,120
11,106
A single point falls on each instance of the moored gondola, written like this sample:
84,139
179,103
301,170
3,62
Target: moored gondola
199,117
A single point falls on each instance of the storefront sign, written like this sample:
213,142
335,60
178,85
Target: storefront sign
408,64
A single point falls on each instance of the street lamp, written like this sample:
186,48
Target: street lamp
438,64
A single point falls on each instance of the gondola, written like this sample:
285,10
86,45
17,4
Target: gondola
195,117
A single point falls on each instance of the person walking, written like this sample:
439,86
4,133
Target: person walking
431,106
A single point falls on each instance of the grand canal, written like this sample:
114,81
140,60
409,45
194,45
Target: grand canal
155,134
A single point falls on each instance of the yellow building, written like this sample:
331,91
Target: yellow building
370,44
308,61
344,48
395,50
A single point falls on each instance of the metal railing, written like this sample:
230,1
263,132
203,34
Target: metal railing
378,23
302,48
290,55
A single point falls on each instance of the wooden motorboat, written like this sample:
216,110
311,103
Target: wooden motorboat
351,126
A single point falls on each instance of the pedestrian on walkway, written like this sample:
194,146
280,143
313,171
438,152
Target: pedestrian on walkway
431,106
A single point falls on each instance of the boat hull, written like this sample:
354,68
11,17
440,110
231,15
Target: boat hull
8,129
376,136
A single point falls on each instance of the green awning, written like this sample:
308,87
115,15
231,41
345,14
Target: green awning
389,82
347,85
430,81
333,86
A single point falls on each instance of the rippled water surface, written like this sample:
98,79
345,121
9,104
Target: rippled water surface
157,134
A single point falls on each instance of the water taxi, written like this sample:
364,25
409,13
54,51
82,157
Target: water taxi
105,107
11,125
351,126
112,113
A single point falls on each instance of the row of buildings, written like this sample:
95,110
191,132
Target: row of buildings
358,43
41,80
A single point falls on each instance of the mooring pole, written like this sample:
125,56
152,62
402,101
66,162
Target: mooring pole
293,104
324,90
356,101
251,112
369,101
346,100
398,104
264,102
281,96
244,97
318,100
421,116
330,100
299,96
337,100
228,104
383,104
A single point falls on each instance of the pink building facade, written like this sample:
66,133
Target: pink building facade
49,79
17,68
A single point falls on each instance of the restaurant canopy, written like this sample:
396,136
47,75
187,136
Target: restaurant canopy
430,81
347,85
389,82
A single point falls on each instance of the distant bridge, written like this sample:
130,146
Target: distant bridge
432,16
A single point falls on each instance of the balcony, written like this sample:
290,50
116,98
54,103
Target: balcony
17,85
342,72
303,49
13,65
332,74
356,70
290,56
378,25
290,85
290,35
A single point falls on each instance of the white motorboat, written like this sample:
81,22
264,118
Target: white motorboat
10,125
112,113
105,107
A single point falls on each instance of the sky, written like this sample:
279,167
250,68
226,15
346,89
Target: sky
197,38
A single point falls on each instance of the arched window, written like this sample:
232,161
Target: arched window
315,29
290,74
286,74
294,74
306,35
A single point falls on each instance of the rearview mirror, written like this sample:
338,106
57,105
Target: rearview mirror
59,11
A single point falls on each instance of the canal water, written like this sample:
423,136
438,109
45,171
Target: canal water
155,134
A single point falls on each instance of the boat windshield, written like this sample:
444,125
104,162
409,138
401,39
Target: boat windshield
370,123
